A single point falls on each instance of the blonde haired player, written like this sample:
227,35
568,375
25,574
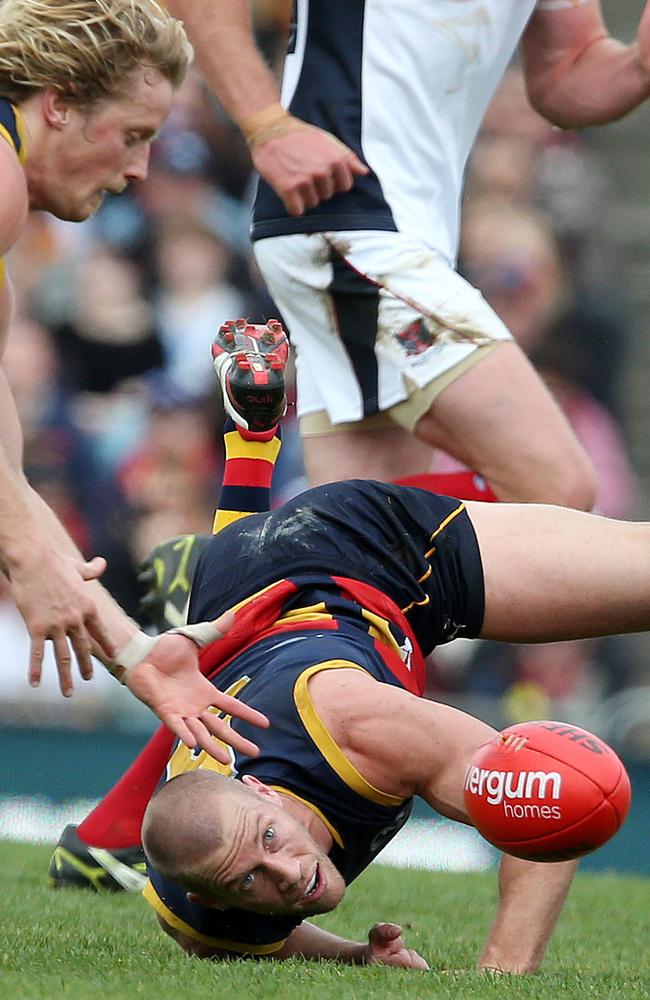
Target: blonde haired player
84,86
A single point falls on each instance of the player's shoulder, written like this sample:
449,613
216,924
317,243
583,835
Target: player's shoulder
358,711
14,203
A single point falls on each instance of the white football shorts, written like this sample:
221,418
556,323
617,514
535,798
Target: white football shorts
379,323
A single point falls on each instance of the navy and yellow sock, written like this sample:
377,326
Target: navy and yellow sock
248,474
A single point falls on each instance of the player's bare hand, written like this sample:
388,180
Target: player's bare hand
53,597
306,166
386,947
169,682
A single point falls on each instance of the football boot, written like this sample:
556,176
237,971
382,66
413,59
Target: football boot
250,360
78,865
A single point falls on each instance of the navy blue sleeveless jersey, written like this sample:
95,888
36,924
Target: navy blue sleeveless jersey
10,128
11,132
357,574
298,757
327,41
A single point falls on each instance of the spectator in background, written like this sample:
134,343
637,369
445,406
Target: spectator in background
110,334
56,457
194,296
180,437
520,157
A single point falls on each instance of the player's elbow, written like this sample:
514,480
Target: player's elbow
189,945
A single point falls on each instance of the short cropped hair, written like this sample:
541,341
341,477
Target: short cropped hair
86,49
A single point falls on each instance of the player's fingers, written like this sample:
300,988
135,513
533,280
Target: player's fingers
36,655
81,645
232,706
204,738
383,932
357,166
300,197
417,962
325,186
309,194
293,201
179,728
93,568
223,731
342,176
63,657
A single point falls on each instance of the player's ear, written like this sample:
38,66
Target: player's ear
257,786
196,897
56,108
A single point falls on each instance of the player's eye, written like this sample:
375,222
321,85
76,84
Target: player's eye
269,835
248,880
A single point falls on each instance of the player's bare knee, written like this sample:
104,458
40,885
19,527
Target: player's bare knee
581,493
574,485
565,479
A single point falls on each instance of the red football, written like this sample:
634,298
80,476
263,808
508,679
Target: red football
546,791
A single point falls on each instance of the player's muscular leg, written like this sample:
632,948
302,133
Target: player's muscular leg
386,454
553,573
499,418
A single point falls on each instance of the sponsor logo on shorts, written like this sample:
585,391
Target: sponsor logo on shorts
415,338
514,790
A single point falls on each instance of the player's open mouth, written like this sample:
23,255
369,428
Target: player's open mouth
314,888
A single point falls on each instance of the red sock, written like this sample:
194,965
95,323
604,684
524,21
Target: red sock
464,485
116,822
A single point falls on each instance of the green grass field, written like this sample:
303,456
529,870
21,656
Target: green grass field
71,945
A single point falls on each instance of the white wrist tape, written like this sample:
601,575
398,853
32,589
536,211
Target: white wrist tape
140,645
132,652
202,634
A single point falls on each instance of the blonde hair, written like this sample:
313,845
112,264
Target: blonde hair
86,49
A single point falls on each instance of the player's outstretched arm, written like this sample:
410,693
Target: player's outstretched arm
303,164
531,896
162,671
47,578
437,743
576,74
385,946
51,584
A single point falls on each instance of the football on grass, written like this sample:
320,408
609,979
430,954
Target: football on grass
546,791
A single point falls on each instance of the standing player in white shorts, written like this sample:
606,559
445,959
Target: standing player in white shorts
356,236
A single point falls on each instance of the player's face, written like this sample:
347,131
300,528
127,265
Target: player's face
270,863
105,148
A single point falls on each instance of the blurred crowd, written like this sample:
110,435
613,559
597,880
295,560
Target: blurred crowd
109,358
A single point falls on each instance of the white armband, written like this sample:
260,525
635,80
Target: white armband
140,645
